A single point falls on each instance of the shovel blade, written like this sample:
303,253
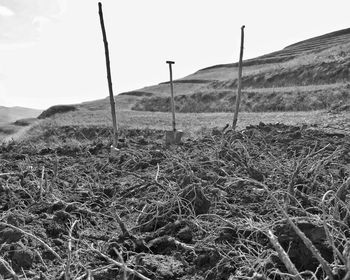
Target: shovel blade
173,137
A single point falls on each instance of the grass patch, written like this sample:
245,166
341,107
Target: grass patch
25,122
57,109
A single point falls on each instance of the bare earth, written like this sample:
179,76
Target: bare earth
213,207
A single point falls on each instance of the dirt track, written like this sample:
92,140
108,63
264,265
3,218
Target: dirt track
197,211
18,135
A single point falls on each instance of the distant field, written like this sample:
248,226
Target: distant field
192,124
185,121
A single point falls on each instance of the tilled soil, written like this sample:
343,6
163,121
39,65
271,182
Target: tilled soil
200,210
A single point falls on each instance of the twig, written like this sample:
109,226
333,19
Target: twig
24,273
299,166
90,272
8,173
41,259
55,168
9,269
42,182
120,265
328,235
33,236
171,241
122,226
122,261
67,269
283,255
342,192
156,179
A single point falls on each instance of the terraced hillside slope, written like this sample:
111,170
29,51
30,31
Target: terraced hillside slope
309,75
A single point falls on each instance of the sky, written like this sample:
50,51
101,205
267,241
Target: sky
51,51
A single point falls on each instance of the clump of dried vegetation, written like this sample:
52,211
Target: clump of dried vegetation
268,202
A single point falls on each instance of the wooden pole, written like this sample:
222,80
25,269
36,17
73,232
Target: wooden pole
239,86
109,78
172,93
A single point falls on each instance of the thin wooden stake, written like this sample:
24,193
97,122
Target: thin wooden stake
109,78
239,87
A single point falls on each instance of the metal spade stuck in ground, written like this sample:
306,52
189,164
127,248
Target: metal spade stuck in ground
173,136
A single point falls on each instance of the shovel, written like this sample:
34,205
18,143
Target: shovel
172,136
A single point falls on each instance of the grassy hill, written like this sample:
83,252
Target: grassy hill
308,75
11,114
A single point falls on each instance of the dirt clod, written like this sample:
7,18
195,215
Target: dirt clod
23,258
195,199
185,234
158,266
9,235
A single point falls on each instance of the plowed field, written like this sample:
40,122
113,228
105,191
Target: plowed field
208,208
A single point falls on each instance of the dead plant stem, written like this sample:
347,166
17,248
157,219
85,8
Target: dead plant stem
120,265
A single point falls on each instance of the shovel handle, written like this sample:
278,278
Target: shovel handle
172,93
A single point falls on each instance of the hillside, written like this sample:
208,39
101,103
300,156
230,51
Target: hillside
307,75
11,114
13,120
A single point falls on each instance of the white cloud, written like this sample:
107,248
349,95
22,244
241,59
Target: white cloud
21,21
6,12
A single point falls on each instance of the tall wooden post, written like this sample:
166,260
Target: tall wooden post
109,78
239,86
